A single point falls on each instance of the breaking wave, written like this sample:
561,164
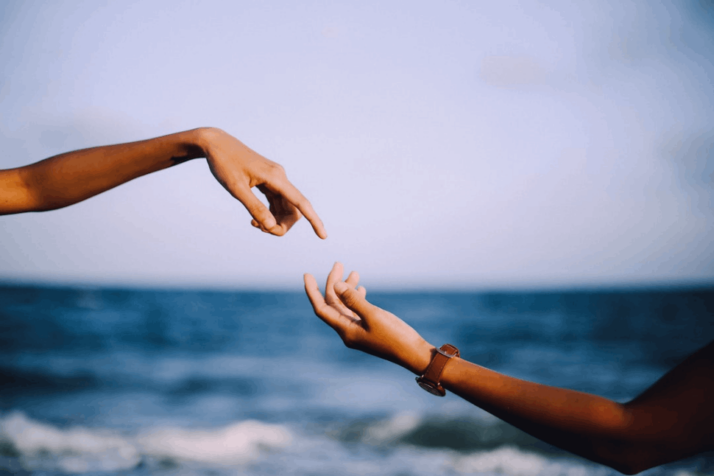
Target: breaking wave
40,446
398,446
461,434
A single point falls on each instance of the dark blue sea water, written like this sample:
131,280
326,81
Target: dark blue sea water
152,382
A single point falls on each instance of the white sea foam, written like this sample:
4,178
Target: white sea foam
79,450
235,444
505,460
392,429
511,461
75,450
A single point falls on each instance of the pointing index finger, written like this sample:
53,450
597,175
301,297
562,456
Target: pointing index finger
293,195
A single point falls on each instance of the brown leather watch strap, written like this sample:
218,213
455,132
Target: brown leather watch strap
432,374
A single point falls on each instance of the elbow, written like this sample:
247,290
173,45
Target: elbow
629,467
626,461
18,192
29,191
40,196
633,457
624,450
634,467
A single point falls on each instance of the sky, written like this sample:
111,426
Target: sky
445,145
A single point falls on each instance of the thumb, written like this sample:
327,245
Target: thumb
354,300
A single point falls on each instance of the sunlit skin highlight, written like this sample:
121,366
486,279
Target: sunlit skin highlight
671,420
72,177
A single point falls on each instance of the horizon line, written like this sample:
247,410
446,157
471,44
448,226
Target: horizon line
602,286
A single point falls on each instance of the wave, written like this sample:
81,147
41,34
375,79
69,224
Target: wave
461,434
511,461
44,447
40,446
234,444
75,450
380,447
480,444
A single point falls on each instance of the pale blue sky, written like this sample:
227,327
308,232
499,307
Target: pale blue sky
445,144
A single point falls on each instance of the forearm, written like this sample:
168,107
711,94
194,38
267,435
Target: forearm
584,424
69,178
672,420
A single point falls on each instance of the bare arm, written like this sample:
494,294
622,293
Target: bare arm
670,421
69,178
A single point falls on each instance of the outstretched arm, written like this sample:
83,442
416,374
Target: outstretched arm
69,178
670,421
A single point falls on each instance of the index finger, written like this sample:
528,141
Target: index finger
328,314
293,195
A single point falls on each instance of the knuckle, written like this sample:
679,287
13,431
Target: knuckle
348,298
275,169
261,213
303,204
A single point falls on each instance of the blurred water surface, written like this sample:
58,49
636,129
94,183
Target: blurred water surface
134,382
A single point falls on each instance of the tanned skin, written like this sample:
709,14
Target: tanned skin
72,177
671,420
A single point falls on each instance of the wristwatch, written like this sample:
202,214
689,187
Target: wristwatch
431,379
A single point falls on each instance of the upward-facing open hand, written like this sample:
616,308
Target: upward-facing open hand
366,327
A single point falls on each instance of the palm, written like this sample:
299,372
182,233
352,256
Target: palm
364,326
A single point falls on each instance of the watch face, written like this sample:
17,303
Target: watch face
429,387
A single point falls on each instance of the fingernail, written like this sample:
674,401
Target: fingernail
269,222
341,287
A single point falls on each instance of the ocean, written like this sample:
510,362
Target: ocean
133,382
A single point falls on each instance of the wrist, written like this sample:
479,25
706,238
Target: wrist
421,358
202,138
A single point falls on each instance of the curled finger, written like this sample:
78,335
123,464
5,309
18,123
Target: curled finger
293,195
260,213
362,291
285,213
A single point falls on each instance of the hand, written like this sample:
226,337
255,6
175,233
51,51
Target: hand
238,168
366,327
